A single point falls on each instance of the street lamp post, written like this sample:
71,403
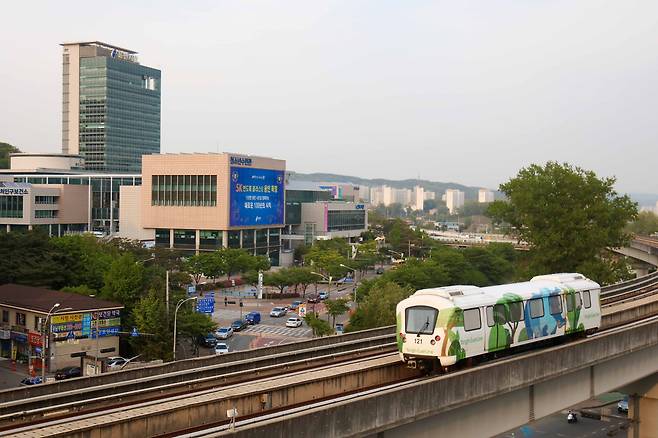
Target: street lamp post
326,278
180,303
401,254
43,336
353,270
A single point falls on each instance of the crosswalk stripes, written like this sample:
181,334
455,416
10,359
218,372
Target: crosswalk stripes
297,332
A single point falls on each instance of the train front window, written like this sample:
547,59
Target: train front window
420,320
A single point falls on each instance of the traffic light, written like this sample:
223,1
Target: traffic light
241,304
225,301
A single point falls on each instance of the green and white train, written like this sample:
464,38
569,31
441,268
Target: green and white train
447,324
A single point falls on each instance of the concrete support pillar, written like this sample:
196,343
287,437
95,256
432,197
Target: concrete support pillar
197,241
171,238
642,407
224,239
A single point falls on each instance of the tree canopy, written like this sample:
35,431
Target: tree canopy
5,150
569,216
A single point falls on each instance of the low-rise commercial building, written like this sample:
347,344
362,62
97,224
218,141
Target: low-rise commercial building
208,201
77,325
56,208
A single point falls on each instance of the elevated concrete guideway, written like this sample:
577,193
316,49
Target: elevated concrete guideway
488,399
644,249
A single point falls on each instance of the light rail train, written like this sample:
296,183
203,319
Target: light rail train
444,325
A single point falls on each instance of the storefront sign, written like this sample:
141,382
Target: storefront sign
19,337
58,319
34,339
5,334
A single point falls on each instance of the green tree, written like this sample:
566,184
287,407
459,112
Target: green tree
279,279
124,281
5,150
336,308
149,317
378,307
319,326
568,215
80,290
235,260
302,277
645,224
191,325
86,259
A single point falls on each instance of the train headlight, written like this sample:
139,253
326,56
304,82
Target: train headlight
437,338
403,337
432,342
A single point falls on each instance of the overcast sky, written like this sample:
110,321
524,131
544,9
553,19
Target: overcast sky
461,91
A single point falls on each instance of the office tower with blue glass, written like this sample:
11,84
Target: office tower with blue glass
111,107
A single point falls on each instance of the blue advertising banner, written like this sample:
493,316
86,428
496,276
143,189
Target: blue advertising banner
257,197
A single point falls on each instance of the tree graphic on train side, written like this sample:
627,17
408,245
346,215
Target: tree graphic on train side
573,313
507,312
450,319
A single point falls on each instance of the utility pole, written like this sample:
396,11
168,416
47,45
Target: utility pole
167,292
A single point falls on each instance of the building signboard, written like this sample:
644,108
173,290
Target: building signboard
10,188
257,197
5,334
34,339
19,337
206,305
84,324
61,319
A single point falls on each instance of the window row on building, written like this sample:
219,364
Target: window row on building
11,206
343,220
184,190
48,200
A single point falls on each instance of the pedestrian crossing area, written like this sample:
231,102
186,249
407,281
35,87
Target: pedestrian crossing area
296,332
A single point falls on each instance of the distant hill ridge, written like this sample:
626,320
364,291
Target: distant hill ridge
429,186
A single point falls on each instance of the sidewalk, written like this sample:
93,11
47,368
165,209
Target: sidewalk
11,373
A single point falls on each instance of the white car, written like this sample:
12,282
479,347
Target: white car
221,348
224,332
294,322
116,362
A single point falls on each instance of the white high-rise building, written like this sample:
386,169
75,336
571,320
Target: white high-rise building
485,195
418,198
381,195
402,196
454,200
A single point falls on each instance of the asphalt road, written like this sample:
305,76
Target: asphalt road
556,425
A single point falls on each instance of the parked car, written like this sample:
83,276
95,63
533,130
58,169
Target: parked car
68,373
252,318
29,381
379,271
238,325
295,304
340,329
323,295
277,312
224,332
221,348
313,299
295,321
116,362
208,341
622,406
